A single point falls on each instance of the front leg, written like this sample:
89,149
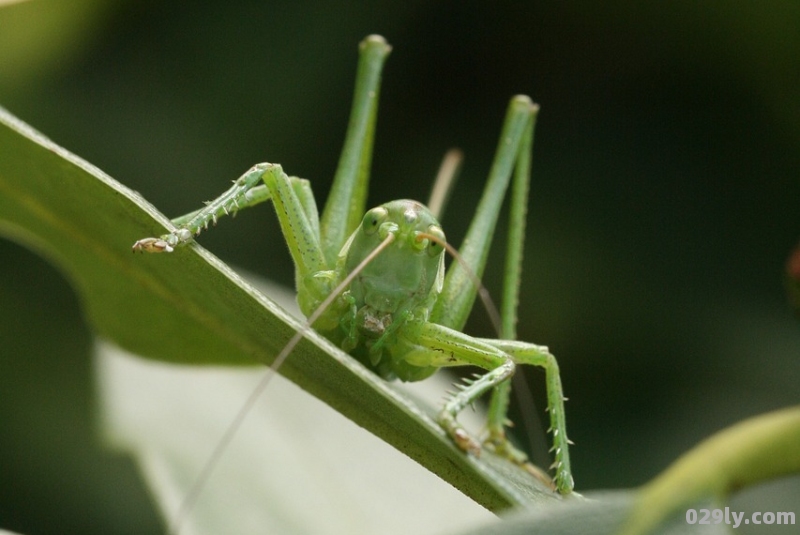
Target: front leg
531,354
244,193
447,347
294,204
467,394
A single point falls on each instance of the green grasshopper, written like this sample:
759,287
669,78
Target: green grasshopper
376,285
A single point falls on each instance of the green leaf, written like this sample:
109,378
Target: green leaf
190,308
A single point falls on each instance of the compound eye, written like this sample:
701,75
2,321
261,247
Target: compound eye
436,245
373,219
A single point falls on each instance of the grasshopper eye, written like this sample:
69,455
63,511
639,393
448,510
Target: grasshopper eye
436,246
373,219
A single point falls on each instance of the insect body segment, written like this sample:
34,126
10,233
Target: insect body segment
394,291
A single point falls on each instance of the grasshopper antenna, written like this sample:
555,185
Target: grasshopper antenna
483,293
440,194
192,496
445,180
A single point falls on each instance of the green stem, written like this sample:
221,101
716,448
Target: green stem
750,452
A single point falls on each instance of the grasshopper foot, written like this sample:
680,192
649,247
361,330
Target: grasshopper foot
152,245
465,441
498,443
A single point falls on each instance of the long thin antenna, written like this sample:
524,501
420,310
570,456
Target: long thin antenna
190,500
445,180
483,293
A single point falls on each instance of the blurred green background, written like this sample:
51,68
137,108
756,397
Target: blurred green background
664,201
